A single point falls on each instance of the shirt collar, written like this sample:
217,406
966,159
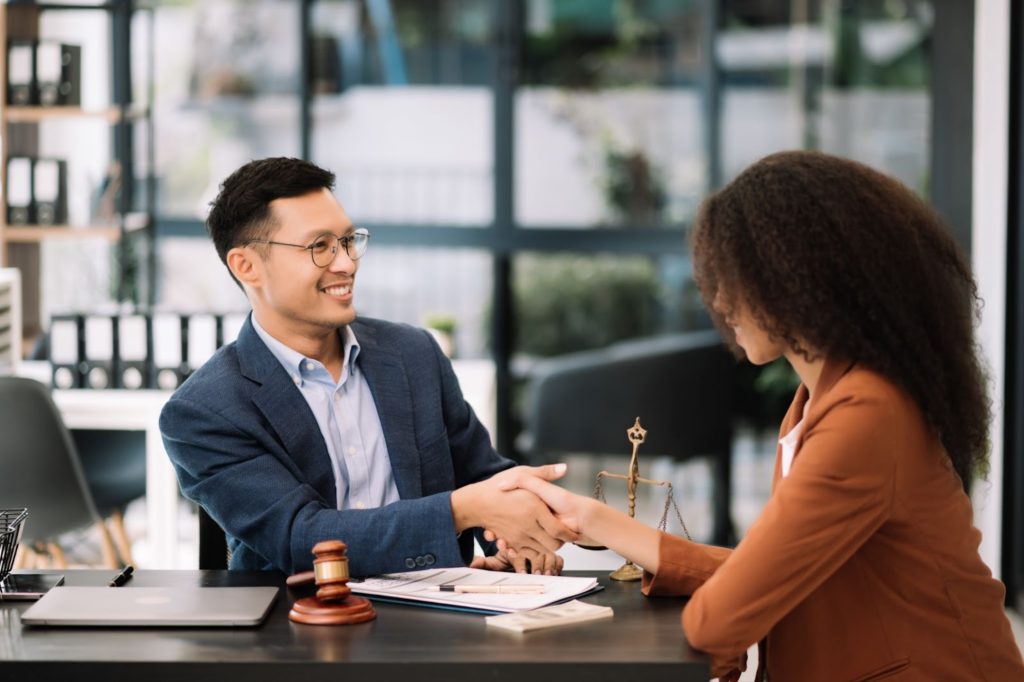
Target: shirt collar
292,360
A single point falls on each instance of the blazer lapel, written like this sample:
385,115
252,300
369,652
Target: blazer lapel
831,372
287,412
392,395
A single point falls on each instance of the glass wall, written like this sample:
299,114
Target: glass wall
609,130
226,91
402,109
528,168
848,78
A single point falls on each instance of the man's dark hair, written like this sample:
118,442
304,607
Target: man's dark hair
241,211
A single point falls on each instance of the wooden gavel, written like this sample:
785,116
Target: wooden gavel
334,603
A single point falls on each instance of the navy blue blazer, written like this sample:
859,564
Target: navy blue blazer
246,447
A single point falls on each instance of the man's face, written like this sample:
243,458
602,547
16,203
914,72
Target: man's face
294,295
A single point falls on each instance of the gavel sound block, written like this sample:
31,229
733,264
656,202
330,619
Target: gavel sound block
334,603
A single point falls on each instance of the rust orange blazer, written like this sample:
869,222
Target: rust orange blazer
864,564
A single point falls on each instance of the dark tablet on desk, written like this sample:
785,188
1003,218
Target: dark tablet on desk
28,586
152,606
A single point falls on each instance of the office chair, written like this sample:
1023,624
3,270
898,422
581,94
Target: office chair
213,543
680,385
42,471
114,465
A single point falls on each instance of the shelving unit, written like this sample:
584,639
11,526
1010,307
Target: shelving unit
133,205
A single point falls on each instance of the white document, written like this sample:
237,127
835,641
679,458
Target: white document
568,613
424,587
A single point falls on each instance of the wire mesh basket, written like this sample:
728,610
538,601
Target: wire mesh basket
11,521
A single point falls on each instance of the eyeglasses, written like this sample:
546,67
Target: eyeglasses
324,248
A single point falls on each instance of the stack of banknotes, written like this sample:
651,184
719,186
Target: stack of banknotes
570,612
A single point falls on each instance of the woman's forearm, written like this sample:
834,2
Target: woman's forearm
632,539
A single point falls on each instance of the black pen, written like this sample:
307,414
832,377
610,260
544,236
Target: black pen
122,577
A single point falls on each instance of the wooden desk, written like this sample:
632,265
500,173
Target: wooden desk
644,641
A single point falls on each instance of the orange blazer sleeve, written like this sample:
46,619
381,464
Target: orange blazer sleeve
838,493
683,566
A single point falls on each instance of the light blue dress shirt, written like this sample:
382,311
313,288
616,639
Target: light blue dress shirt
348,421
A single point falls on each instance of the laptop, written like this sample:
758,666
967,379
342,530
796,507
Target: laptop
152,606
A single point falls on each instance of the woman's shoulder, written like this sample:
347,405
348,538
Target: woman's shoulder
867,396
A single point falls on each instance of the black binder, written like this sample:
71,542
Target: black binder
100,351
67,350
20,210
21,73
49,191
133,352
202,331
169,334
58,74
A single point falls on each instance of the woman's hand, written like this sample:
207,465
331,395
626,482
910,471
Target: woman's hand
571,509
596,522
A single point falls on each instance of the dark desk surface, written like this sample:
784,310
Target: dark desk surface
644,641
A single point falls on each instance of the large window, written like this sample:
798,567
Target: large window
529,168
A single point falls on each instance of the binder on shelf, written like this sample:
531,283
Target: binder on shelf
230,326
49,189
100,351
169,340
19,191
202,340
67,350
21,73
133,350
10,320
58,74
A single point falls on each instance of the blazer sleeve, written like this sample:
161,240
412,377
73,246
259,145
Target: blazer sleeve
234,473
683,566
838,493
473,457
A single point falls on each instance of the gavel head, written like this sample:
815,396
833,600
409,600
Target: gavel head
330,568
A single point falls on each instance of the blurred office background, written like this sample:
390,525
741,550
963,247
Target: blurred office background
529,169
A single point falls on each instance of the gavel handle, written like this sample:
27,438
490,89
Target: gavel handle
303,578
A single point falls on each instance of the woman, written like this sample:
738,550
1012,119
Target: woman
864,563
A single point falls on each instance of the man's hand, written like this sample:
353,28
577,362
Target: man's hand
547,563
525,523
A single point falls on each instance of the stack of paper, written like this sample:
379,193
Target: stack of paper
426,588
571,612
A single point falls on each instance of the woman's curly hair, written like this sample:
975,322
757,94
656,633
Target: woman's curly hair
835,258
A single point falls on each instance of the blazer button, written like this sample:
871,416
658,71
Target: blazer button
420,561
410,562
429,558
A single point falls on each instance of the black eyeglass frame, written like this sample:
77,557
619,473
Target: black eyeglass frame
345,241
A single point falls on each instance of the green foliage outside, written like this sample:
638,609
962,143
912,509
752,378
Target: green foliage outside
579,302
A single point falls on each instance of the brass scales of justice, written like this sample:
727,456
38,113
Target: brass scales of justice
637,435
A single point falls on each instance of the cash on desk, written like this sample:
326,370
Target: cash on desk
550,616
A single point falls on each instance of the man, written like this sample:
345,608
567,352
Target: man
314,425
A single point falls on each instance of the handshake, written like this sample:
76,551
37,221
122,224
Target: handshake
528,516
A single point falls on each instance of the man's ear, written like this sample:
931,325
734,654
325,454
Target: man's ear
245,265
